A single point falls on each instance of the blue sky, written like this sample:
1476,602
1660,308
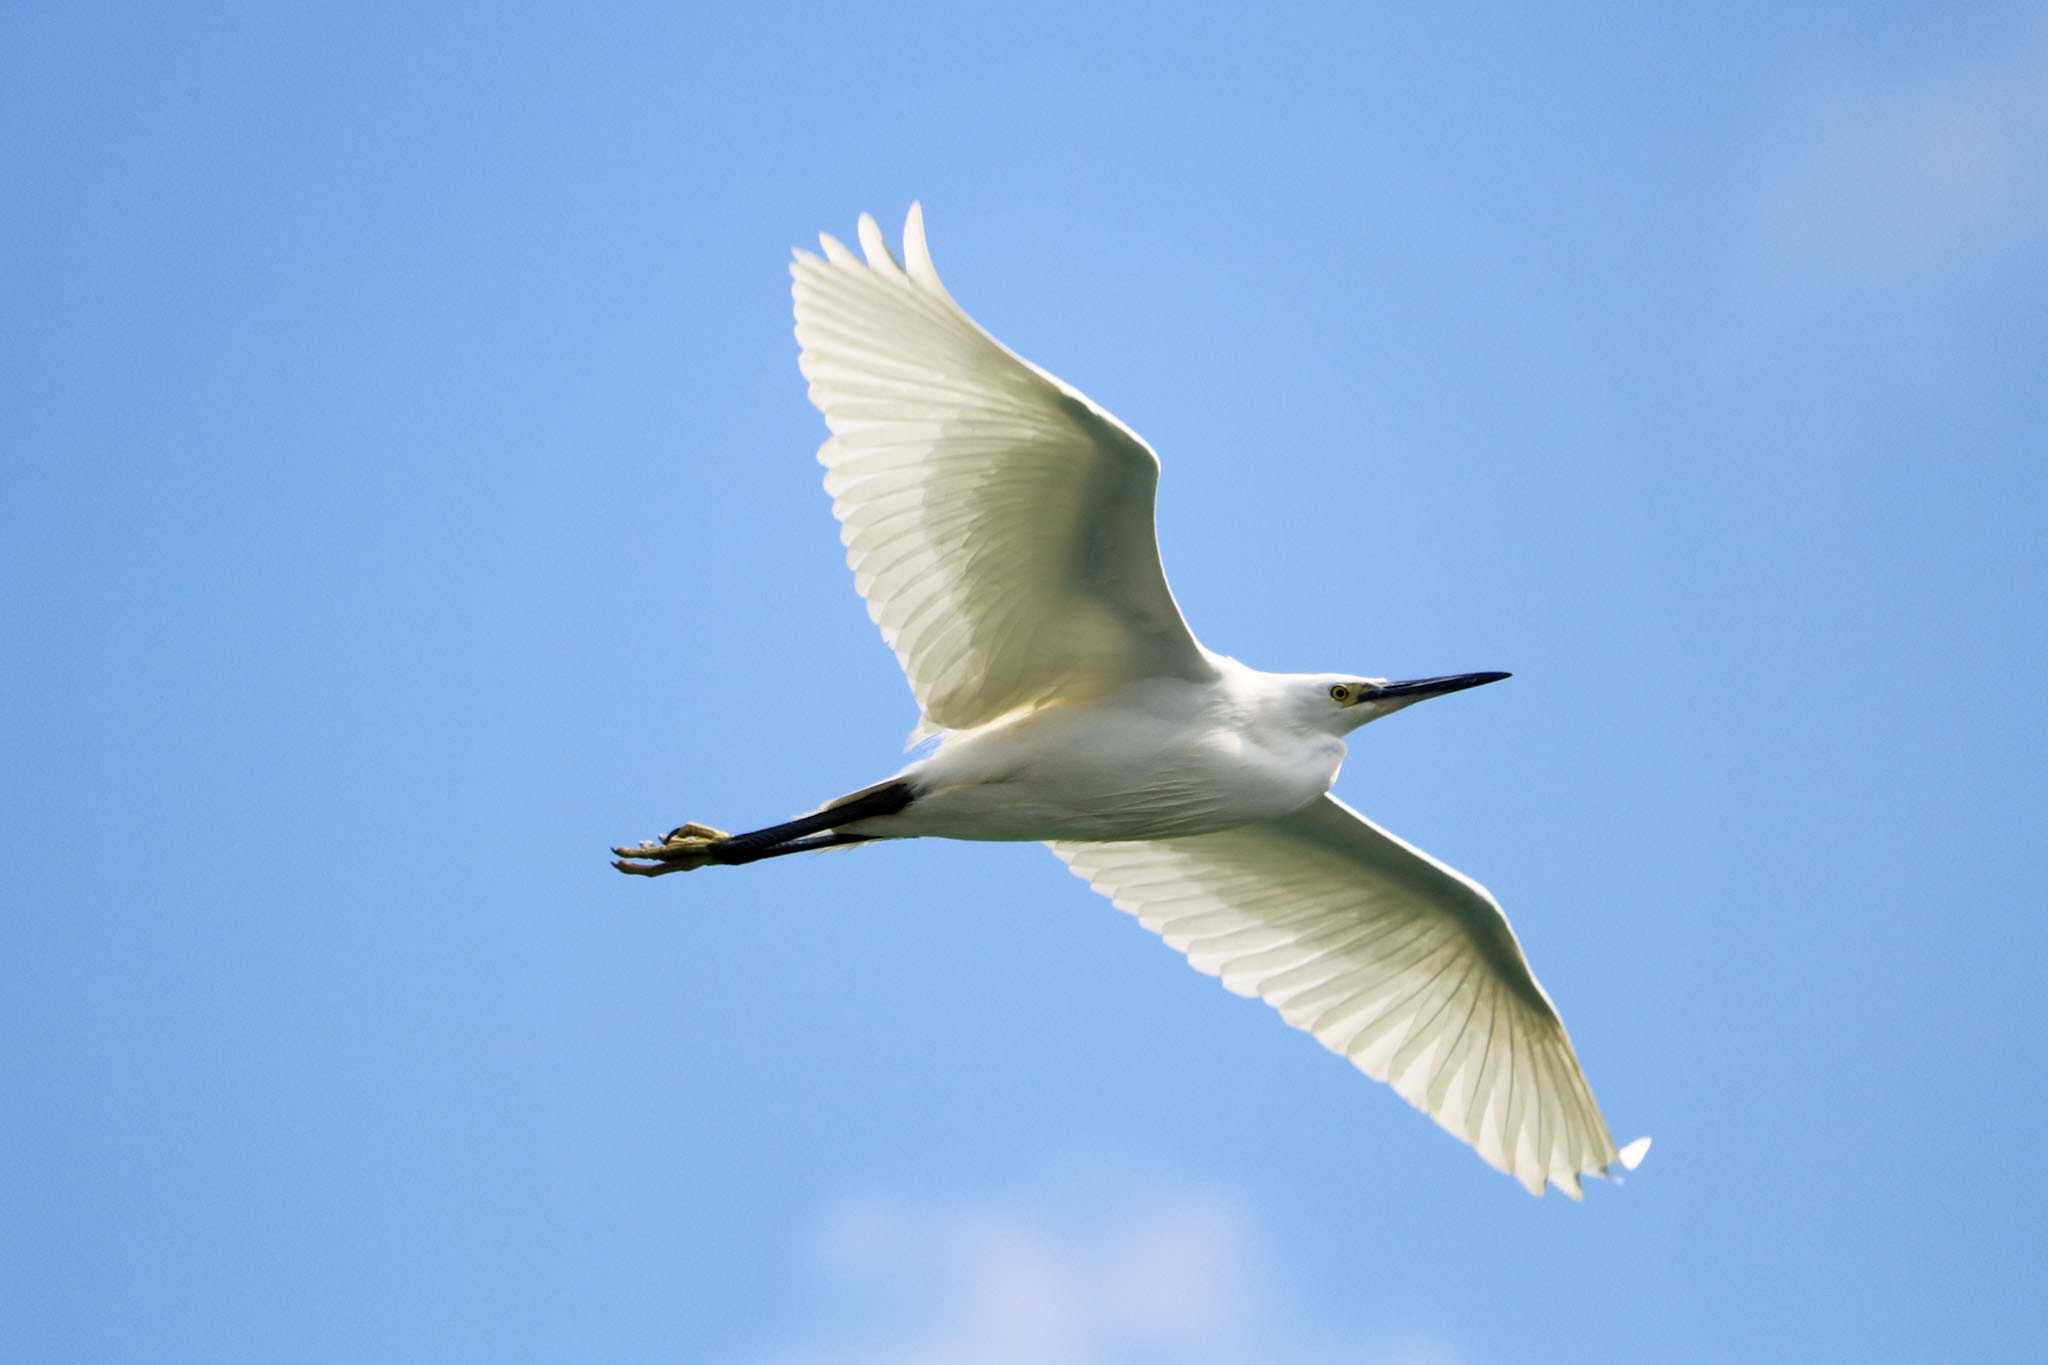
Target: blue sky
411,492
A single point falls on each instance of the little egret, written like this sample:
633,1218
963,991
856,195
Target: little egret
999,525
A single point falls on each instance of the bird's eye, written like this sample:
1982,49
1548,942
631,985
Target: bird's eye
1340,693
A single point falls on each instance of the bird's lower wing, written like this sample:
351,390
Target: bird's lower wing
1389,958
998,522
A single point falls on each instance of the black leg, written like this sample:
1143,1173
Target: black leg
694,846
733,857
884,800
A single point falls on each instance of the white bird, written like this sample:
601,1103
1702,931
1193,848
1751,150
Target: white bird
999,525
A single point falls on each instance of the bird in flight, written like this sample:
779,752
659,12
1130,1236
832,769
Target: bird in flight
1000,526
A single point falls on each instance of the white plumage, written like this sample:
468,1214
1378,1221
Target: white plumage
1389,958
999,525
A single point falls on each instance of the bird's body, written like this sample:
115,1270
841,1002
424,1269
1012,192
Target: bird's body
1000,526
1155,759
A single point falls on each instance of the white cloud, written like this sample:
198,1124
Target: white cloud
1090,1271
1904,180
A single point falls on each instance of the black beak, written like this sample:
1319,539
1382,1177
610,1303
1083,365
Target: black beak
1432,687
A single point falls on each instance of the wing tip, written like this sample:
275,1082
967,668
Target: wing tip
836,251
917,256
917,252
1628,1158
875,246
1573,1183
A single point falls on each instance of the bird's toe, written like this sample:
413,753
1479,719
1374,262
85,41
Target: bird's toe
683,849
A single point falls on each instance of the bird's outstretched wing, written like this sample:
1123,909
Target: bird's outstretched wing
1390,959
998,523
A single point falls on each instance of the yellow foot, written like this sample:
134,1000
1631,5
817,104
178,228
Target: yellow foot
683,849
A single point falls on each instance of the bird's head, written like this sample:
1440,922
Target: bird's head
1342,703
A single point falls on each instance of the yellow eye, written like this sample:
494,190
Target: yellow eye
1340,693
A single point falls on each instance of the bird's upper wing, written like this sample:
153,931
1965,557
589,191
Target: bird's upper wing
998,522
1388,957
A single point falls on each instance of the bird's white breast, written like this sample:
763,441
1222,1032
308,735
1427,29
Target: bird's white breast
1155,759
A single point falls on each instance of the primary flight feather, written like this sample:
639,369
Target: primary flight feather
999,525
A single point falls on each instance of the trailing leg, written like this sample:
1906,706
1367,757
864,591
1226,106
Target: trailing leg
727,857
692,846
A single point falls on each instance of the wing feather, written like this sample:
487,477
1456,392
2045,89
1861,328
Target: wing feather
1388,958
998,523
